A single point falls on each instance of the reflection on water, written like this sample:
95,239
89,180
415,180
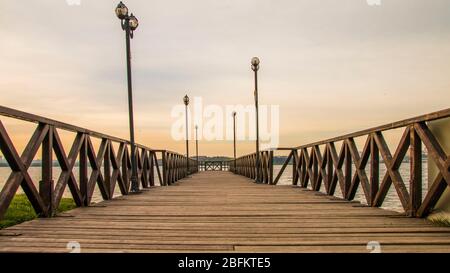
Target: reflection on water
391,202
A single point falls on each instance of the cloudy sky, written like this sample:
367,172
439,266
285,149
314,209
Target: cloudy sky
333,67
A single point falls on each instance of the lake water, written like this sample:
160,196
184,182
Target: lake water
391,202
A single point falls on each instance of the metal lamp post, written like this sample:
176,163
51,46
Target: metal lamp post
129,25
255,67
196,144
234,141
186,103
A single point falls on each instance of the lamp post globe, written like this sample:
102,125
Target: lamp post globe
121,11
255,63
133,21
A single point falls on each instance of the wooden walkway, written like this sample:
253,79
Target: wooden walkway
222,212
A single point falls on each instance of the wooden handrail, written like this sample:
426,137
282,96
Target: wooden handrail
110,168
211,165
316,169
20,115
394,125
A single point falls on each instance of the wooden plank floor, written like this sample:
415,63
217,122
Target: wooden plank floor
222,212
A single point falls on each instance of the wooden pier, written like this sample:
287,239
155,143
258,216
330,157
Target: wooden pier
223,212
183,210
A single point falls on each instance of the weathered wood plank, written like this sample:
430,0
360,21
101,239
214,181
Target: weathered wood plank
222,212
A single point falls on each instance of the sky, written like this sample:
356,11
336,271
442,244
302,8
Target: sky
332,67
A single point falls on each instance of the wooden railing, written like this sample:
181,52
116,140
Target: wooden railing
319,164
246,166
174,166
109,168
206,166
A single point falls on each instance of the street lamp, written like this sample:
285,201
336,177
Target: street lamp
234,140
186,103
196,143
129,25
255,67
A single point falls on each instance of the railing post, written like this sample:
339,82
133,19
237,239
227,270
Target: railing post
252,165
83,170
169,168
152,169
374,170
415,182
262,160
145,168
313,168
164,167
271,167
172,168
125,169
140,167
172,164
46,184
294,167
245,166
329,169
177,161
255,167
347,169
107,170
